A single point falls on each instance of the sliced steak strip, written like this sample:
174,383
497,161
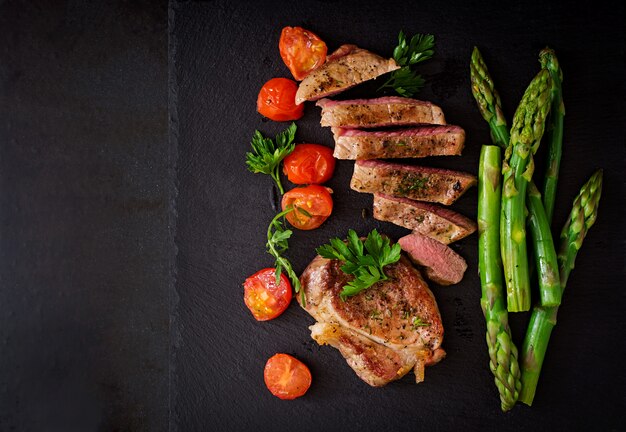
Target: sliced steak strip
441,264
405,143
410,181
441,224
345,68
384,111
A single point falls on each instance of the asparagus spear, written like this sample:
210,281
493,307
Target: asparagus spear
489,104
502,351
545,255
543,319
517,169
548,61
488,100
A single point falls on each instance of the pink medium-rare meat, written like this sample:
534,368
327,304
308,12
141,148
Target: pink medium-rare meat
416,142
410,181
384,331
441,224
348,66
383,111
441,264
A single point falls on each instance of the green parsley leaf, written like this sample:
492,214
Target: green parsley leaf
419,49
363,260
276,245
405,81
267,154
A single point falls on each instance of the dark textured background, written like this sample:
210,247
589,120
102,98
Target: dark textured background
86,231
224,53
88,234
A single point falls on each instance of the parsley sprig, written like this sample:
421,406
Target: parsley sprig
277,244
420,48
364,260
267,154
405,81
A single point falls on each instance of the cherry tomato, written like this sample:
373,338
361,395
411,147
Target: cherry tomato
264,298
301,50
313,199
277,100
309,164
286,377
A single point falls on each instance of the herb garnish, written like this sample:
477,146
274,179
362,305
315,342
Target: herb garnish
363,260
405,81
411,183
267,154
417,322
277,244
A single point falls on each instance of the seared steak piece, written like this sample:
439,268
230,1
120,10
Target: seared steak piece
383,111
441,224
404,143
442,264
384,331
410,181
348,66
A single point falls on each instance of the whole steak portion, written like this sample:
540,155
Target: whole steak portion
384,331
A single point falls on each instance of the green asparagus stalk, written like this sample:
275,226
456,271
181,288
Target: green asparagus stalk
545,255
554,133
543,319
488,100
502,351
517,169
489,104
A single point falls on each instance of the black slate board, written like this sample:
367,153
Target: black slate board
223,53
86,216
88,234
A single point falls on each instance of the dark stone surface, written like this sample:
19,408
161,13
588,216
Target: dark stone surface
86,231
224,52
88,235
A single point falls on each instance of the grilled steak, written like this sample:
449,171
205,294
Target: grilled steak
405,143
384,331
410,181
348,66
384,111
442,264
441,224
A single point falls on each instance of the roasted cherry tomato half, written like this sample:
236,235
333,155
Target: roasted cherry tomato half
301,50
264,298
286,376
277,100
309,164
312,206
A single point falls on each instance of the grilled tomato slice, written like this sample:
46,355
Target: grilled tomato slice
277,100
312,206
286,377
301,50
264,298
309,164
